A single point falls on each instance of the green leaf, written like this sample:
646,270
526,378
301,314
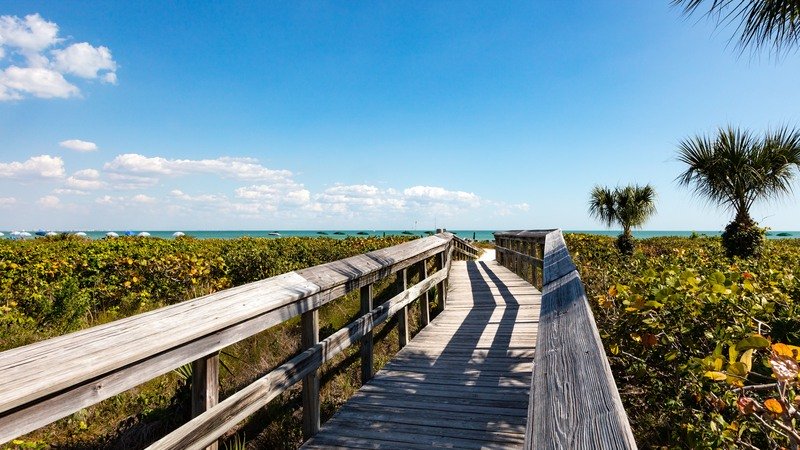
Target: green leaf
755,341
716,376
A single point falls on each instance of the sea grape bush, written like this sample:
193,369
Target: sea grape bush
56,285
679,310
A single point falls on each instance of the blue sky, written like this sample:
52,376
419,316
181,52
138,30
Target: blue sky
324,115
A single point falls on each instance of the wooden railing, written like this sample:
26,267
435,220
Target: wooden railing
574,402
45,381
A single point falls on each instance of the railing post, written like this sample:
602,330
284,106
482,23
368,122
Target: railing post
366,341
402,315
425,300
441,288
205,386
309,338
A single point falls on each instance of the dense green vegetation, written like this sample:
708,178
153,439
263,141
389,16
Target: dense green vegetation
52,286
682,324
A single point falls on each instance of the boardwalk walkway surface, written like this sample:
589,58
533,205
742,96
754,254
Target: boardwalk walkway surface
462,382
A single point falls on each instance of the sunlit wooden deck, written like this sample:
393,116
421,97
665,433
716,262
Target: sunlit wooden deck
462,382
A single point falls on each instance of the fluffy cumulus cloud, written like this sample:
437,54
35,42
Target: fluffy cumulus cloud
142,198
434,194
37,167
7,201
83,180
49,201
227,167
34,60
78,145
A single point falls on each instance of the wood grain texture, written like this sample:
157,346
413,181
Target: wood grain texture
310,394
462,382
205,387
574,400
212,424
43,382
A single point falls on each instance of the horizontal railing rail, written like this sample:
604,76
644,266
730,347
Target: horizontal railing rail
49,380
574,401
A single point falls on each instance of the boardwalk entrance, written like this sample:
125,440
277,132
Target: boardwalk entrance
462,382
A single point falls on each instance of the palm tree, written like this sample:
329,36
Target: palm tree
763,22
734,170
628,206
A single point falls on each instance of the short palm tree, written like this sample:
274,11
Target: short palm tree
763,22
630,207
734,170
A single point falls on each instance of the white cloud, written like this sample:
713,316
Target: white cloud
30,35
78,145
84,60
438,194
61,191
29,70
227,167
107,200
44,166
49,201
130,182
87,179
141,198
205,198
7,201
37,81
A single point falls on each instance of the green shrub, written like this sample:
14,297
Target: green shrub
665,309
743,239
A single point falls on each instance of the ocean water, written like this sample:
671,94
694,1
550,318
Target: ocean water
481,235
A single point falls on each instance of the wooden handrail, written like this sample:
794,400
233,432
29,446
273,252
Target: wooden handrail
574,401
48,380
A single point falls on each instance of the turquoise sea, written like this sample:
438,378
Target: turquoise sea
341,234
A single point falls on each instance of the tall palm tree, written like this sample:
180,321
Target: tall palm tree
763,22
628,206
736,169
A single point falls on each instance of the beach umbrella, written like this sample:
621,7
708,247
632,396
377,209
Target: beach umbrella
130,233
15,234
41,233
178,234
25,234
111,234
51,233
143,234
80,234
1,234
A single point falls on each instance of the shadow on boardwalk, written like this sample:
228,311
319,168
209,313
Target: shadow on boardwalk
462,382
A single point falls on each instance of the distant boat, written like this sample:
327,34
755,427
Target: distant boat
407,233
274,233
362,233
339,233
178,234
143,234
784,234
111,234
322,233
41,233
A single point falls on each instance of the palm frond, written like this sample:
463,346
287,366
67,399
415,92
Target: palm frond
735,169
602,207
762,23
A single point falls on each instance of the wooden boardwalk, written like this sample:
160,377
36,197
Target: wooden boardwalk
462,382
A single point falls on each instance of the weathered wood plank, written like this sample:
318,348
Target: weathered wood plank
45,381
310,394
205,387
366,342
460,383
215,422
574,400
